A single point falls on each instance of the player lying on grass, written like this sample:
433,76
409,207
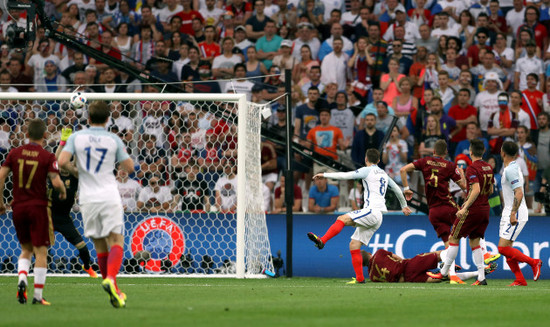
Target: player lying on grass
387,267
367,220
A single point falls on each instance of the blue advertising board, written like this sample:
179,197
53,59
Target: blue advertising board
405,236
194,236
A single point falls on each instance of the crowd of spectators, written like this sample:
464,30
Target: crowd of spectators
447,69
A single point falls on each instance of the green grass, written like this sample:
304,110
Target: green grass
277,302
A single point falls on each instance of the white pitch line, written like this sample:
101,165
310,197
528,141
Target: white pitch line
368,287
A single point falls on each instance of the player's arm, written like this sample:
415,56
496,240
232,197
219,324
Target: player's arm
462,181
356,174
518,197
65,134
512,175
472,196
4,172
405,170
58,185
395,188
128,165
64,160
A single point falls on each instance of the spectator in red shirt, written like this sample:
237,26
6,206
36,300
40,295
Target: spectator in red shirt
463,113
209,48
416,70
187,15
106,47
532,99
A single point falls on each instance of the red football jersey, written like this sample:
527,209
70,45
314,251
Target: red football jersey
480,172
30,165
437,172
384,268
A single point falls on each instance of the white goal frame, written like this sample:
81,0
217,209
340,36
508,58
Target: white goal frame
242,162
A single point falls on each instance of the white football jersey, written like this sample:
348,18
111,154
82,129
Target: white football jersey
512,178
97,152
375,184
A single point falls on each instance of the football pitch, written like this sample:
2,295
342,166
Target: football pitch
79,301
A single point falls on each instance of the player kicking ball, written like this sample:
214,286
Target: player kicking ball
61,217
367,220
97,153
514,216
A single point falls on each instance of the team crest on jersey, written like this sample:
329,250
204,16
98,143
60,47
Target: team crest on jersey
161,237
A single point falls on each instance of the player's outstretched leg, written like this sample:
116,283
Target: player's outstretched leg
488,257
317,240
334,229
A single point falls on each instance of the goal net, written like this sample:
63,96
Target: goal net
195,204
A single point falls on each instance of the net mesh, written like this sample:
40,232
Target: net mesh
181,203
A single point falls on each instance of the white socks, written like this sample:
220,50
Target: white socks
483,247
452,252
23,266
39,281
478,260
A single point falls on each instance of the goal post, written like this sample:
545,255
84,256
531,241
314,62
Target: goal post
211,240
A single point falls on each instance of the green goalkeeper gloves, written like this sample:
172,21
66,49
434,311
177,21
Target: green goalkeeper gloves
65,133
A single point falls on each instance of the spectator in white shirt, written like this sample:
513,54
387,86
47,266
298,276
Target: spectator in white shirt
154,198
334,66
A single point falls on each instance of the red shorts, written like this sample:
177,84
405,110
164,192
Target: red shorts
442,218
416,268
33,224
472,226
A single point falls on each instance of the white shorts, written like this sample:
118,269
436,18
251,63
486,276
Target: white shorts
368,221
509,232
100,219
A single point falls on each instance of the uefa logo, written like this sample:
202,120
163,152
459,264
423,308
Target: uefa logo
162,238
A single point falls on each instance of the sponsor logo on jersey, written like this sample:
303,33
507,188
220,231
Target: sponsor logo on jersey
515,181
162,238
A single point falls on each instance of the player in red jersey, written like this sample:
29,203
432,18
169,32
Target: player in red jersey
32,165
437,173
472,219
387,267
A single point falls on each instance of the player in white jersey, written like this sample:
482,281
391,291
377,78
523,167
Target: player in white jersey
367,220
514,215
97,153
